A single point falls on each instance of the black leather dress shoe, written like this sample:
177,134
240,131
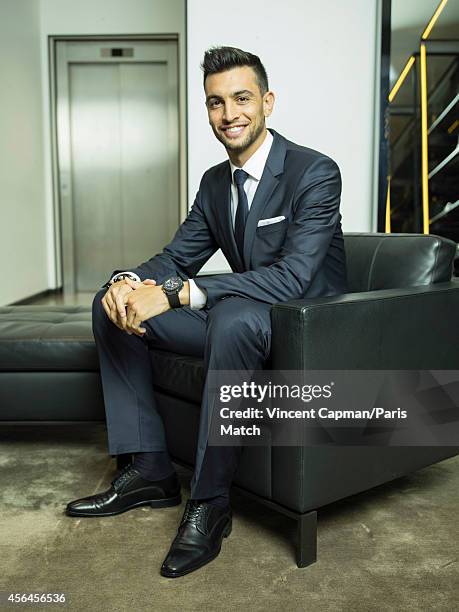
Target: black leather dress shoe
128,490
198,540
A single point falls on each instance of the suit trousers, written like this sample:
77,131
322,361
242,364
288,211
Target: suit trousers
235,334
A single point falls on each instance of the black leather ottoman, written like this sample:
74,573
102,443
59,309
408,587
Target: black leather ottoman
49,369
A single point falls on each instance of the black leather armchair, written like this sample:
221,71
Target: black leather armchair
400,314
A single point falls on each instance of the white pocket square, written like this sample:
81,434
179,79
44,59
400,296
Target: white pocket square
263,222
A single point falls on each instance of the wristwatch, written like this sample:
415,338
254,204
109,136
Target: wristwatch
121,276
172,287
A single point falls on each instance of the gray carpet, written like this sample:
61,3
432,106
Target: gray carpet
393,548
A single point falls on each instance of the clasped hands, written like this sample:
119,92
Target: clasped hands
128,303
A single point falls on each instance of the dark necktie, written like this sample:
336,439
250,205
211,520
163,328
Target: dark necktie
242,211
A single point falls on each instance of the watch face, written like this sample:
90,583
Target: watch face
120,277
173,283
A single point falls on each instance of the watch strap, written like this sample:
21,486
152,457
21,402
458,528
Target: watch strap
174,300
120,275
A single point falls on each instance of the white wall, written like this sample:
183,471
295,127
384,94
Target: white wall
112,17
321,59
22,206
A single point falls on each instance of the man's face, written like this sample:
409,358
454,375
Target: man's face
237,109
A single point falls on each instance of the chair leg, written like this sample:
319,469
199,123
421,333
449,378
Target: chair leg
306,543
123,460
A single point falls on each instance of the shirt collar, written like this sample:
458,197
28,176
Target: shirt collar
255,165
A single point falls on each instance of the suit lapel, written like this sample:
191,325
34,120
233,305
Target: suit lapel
268,183
263,193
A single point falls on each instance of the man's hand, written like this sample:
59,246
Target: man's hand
115,300
145,302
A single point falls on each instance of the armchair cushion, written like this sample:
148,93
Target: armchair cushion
386,261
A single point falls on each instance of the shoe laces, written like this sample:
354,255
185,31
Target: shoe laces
124,476
194,513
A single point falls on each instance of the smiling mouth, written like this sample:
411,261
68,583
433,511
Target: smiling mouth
233,131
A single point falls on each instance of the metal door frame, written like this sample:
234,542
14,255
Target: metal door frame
61,211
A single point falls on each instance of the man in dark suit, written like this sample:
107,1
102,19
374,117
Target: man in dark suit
273,209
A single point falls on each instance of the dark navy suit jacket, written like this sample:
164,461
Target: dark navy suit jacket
302,256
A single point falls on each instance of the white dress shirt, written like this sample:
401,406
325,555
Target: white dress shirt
254,167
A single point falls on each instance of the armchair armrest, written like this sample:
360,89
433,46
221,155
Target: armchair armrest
414,328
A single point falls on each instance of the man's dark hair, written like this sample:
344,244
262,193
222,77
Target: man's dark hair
220,59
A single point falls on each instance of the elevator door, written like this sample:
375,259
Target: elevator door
117,124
